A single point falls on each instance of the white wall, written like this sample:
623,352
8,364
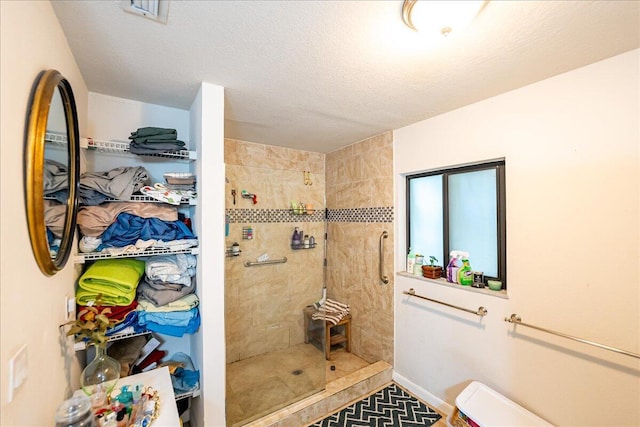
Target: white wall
207,130
32,305
572,149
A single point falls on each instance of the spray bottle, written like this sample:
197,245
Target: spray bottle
465,274
453,267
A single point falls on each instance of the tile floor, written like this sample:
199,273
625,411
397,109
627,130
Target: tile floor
260,385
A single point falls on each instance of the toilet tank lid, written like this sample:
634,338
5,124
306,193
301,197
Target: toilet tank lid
488,408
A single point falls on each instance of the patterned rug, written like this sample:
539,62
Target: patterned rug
390,407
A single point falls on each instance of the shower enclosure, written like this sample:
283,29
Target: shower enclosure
268,283
268,363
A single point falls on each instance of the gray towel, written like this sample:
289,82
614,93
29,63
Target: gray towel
119,183
151,130
162,297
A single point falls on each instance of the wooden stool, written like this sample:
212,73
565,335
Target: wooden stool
328,339
338,338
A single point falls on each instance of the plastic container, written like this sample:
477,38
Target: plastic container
479,405
179,178
75,412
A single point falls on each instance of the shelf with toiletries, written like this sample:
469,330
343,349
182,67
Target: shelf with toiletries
299,211
296,247
233,250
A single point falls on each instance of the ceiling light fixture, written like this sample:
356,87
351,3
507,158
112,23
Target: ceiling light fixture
158,10
438,16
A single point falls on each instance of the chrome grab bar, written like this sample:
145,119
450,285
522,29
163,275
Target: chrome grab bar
384,279
269,261
514,318
481,311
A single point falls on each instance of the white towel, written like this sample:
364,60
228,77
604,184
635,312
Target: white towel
332,311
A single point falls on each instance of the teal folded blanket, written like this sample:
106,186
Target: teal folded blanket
115,279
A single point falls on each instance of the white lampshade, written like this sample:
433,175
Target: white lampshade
437,17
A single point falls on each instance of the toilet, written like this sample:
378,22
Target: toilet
480,406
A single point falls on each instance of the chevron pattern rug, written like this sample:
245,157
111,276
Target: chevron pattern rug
389,407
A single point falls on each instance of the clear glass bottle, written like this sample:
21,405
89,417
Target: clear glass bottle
100,376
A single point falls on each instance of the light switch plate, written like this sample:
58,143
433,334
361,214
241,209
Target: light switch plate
18,370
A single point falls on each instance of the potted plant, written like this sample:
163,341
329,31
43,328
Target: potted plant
432,271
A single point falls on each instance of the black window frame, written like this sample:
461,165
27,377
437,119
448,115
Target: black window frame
499,167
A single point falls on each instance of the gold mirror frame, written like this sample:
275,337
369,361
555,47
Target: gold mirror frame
48,81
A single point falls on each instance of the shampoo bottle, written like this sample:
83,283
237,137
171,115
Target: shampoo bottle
411,261
465,274
295,239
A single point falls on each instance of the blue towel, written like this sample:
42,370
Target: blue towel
127,229
186,378
173,318
174,331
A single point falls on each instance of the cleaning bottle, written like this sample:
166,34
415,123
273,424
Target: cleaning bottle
453,267
465,274
411,261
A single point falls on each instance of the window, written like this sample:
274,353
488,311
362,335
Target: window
460,208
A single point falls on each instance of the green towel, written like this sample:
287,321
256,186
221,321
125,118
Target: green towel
115,279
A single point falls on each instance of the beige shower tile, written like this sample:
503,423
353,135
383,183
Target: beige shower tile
255,344
231,156
276,337
382,191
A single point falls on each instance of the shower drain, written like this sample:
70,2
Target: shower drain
297,372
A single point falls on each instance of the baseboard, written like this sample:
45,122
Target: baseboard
431,399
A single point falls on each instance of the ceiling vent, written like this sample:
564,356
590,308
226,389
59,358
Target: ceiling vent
158,10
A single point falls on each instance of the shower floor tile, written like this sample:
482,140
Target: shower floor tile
262,384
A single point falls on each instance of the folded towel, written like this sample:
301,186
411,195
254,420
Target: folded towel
115,279
332,311
177,269
160,137
185,303
151,131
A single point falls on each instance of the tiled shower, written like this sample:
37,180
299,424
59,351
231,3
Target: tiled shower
263,304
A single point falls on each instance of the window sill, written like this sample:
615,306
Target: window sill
443,282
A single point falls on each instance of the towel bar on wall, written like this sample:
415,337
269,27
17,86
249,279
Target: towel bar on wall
384,279
270,261
514,318
481,311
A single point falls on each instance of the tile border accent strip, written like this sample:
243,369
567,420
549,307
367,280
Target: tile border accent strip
375,214
257,216
357,215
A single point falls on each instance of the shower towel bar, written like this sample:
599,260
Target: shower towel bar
384,279
481,311
270,261
514,318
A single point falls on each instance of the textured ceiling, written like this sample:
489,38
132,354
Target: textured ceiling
319,75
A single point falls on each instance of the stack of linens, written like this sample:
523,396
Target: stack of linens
116,280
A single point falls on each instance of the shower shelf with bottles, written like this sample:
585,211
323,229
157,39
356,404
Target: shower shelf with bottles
303,246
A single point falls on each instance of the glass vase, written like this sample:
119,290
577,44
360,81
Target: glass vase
100,376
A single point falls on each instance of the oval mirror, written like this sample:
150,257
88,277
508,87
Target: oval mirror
52,169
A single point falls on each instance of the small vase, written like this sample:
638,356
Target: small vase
100,376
